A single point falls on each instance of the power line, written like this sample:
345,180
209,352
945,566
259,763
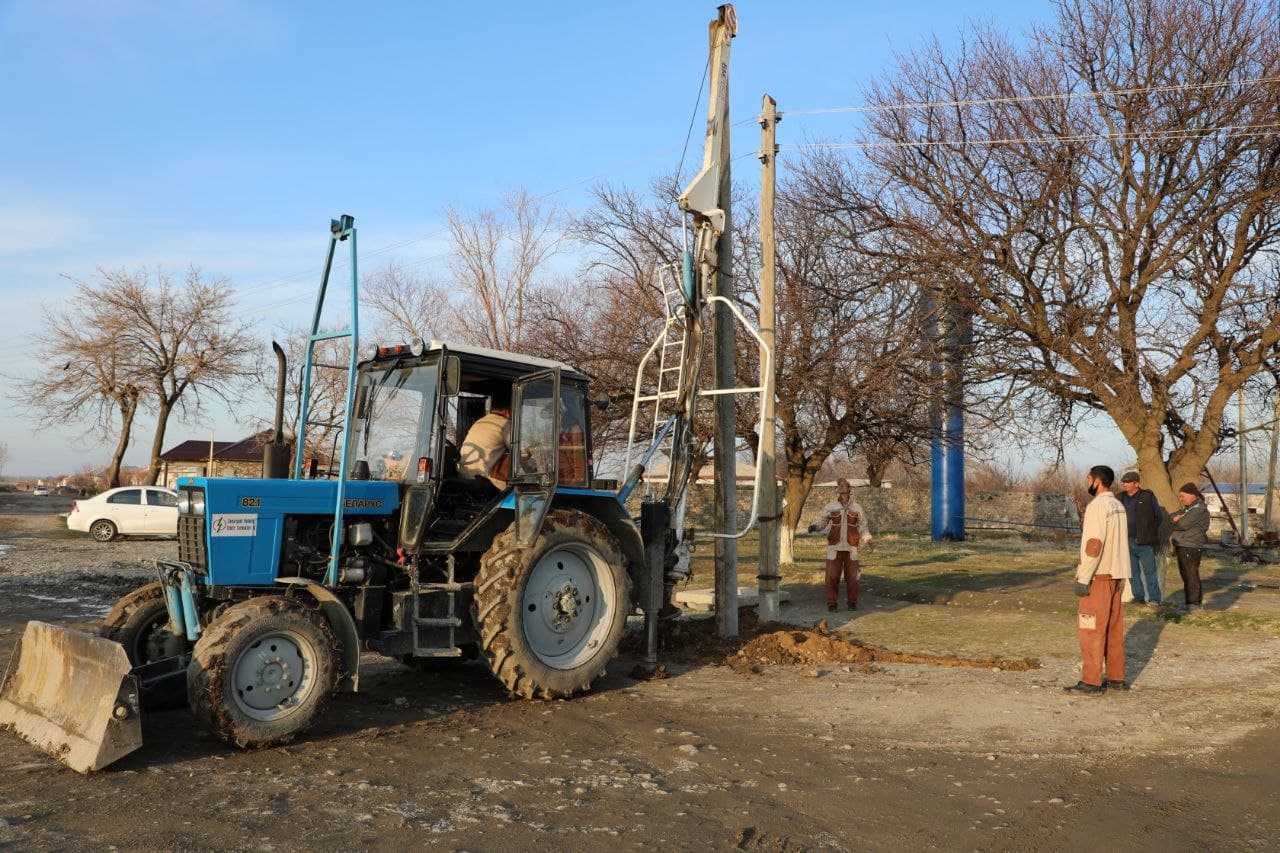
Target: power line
1014,99
1155,135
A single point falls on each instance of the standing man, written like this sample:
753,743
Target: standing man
1190,532
846,526
1100,577
1144,514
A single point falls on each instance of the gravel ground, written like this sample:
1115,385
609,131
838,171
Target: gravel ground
819,756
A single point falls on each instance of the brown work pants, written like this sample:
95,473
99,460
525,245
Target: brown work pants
850,568
1101,627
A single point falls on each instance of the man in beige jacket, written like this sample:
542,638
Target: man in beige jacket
1100,576
845,523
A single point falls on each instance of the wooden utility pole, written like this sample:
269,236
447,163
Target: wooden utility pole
707,199
768,576
725,440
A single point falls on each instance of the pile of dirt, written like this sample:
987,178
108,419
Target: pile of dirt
793,646
772,644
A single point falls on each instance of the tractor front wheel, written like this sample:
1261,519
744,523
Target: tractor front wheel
140,623
262,672
550,617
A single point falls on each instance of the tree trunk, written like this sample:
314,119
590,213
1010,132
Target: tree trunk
157,441
127,412
796,492
875,473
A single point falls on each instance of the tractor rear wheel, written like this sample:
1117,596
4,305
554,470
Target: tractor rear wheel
140,623
550,617
262,672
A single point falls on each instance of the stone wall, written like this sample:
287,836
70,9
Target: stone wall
903,510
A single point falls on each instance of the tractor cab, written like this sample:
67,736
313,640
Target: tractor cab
460,428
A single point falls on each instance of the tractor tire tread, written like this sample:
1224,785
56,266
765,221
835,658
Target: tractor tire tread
500,572
205,674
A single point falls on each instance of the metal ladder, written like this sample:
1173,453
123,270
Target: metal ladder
450,587
671,365
661,434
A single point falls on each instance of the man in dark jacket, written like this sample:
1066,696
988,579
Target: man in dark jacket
1190,532
1145,515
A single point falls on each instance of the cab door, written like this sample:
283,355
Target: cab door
535,439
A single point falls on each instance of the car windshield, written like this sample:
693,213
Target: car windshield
395,408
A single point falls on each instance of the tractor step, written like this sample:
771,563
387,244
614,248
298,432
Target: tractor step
434,622
441,652
445,587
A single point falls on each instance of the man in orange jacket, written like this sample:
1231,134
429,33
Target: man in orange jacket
845,523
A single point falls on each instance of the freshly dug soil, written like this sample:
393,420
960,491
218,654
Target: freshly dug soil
774,644
791,646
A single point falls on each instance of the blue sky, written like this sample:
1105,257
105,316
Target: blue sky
225,134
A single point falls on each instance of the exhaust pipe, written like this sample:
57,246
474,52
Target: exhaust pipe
275,456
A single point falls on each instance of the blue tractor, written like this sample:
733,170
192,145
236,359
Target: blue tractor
413,540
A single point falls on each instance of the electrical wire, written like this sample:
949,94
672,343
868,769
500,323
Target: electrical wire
1154,135
1015,99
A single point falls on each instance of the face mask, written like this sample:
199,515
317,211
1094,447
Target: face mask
1093,490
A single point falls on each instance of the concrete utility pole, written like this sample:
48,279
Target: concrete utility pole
1243,503
768,576
1269,521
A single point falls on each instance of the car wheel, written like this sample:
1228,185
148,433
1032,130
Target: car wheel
104,530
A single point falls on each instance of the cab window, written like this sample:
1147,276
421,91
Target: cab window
573,469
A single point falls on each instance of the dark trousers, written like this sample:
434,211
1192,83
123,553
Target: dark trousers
851,569
1189,568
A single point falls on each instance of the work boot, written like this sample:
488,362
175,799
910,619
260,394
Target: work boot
831,607
1086,689
853,605
1116,685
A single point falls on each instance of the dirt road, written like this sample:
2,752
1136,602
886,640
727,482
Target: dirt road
892,756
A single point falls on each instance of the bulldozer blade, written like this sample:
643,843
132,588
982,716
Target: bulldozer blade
72,695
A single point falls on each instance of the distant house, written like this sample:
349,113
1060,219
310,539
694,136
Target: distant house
1257,493
198,458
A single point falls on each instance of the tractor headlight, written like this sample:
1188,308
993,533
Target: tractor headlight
197,503
184,503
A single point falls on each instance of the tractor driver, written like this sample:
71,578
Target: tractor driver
485,451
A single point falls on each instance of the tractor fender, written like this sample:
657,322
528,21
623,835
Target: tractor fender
614,516
343,625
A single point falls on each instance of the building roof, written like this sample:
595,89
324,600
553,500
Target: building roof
1233,488
247,449
194,451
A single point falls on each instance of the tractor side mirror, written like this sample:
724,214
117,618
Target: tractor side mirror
451,380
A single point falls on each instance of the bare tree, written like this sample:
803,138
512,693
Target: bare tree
328,390
408,304
4,455
500,259
89,375
847,360
1103,202
179,340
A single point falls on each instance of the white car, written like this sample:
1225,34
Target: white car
127,511
40,492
